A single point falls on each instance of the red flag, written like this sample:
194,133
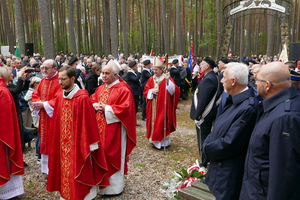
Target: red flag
298,66
229,53
193,57
161,59
151,54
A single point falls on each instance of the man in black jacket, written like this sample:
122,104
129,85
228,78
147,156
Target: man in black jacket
133,80
226,146
175,72
146,74
80,78
272,166
203,109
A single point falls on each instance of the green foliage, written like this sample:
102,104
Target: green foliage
262,43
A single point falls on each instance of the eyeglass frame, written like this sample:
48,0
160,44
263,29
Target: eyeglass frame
45,68
257,79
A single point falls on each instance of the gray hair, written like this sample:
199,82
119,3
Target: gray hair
238,71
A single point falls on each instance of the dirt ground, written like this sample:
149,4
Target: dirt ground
147,165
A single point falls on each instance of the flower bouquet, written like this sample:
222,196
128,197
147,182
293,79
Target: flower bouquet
182,179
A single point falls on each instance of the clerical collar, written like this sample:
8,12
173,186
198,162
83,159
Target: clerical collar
71,93
112,84
53,75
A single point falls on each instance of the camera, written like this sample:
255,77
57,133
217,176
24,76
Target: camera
29,70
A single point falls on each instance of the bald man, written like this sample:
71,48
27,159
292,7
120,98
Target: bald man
272,167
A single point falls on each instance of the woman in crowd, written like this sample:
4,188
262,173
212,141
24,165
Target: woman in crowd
34,82
15,90
92,79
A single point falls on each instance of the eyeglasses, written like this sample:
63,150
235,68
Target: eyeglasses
46,68
256,80
63,79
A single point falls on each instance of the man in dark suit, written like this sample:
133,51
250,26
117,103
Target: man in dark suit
175,72
222,62
133,80
226,146
80,78
203,109
272,166
146,74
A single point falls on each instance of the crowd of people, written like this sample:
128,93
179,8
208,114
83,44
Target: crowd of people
85,110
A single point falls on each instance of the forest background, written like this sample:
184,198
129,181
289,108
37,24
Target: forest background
130,26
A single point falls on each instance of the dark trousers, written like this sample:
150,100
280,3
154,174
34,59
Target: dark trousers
37,146
144,107
205,129
136,102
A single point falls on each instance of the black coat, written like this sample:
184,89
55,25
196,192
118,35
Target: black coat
175,75
226,146
91,83
133,81
145,76
205,91
272,166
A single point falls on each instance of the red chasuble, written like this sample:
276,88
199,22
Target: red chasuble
120,98
9,137
73,168
155,111
45,92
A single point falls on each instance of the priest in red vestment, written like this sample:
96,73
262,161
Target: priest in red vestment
154,93
116,119
45,92
11,157
77,163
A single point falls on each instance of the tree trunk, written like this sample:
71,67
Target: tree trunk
164,27
8,29
195,42
124,22
218,28
71,26
106,25
242,34
247,49
20,27
46,30
79,30
145,28
270,25
178,28
114,27
51,25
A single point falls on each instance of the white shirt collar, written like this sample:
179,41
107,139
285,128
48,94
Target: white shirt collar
112,84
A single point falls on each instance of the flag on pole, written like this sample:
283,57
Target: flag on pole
284,56
118,58
17,52
193,57
190,60
229,53
151,54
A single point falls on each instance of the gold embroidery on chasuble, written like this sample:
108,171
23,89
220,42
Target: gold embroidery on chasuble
66,131
43,115
103,97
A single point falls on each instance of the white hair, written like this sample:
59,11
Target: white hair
238,71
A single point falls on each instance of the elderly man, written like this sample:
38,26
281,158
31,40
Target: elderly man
45,92
272,164
204,109
155,94
226,146
115,114
76,161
